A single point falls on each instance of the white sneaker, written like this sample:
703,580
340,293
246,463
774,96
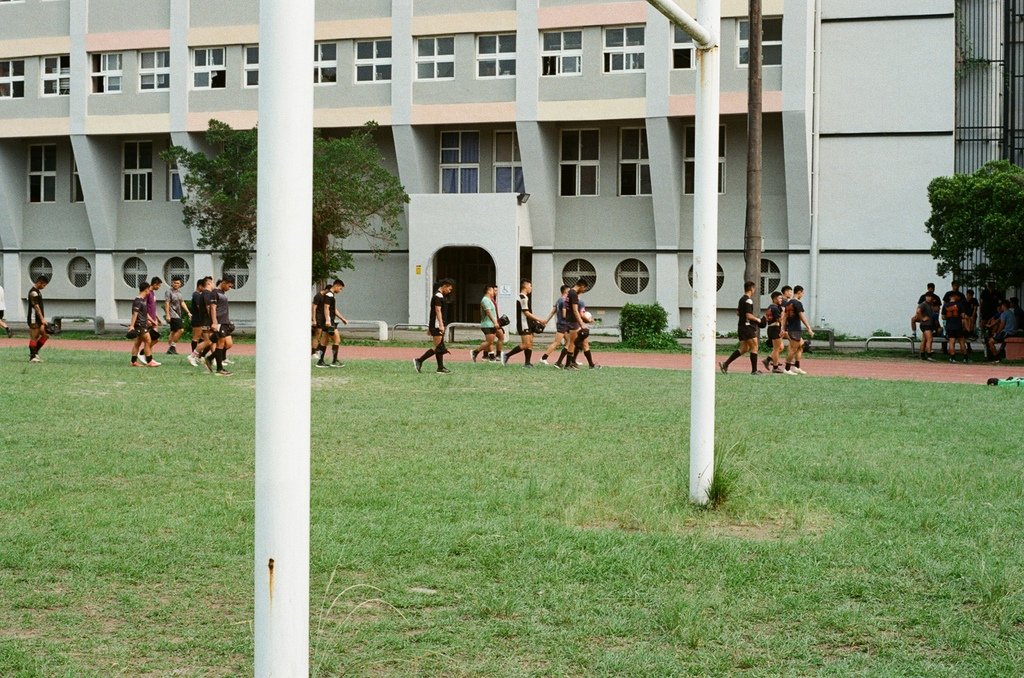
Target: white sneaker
193,359
227,362
142,360
798,370
791,372
543,361
152,363
35,359
504,358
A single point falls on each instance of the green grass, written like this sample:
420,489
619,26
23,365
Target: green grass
514,523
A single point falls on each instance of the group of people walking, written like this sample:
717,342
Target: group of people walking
960,318
785,319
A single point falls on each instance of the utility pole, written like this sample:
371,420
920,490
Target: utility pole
705,33
752,240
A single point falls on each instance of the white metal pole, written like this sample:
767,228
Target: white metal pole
705,257
283,264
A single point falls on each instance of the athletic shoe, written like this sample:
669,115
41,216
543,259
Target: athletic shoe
137,365
172,351
595,367
472,354
320,363
777,370
193,359
543,361
930,359
224,373
558,366
756,373
790,372
152,363
142,360
528,365
573,366
724,368
798,370
443,370
227,362
952,361
209,364
504,358
34,359
417,364
10,333
767,362
336,363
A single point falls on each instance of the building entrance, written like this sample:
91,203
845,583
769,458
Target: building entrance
472,268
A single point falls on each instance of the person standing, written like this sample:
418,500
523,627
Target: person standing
990,299
773,321
436,327
489,325
220,325
526,321
796,320
922,319
3,308
139,325
201,321
748,325
969,317
154,319
316,322
37,335
951,312
174,307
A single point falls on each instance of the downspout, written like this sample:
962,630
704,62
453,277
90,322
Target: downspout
815,159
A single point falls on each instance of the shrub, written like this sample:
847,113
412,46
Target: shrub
644,325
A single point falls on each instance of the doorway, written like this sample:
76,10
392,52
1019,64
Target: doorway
472,268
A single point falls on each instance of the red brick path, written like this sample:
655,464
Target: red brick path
901,369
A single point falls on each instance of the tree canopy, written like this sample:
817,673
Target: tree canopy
354,195
979,214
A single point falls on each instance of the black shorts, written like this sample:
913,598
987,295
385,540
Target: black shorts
926,327
572,327
434,332
176,324
561,328
748,332
774,332
795,335
488,331
953,332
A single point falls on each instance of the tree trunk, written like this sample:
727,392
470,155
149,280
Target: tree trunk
752,241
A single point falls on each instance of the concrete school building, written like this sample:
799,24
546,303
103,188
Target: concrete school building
550,139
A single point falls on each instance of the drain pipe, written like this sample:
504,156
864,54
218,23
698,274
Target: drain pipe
815,160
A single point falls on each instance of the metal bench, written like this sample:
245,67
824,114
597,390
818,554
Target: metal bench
379,325
831,336
99,325
910,340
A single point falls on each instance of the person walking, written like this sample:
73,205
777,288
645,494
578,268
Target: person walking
748,330
773,321
489,325
174,307
796,320
526,324
139,328
220,325
436,326
3,308
561,328
37,335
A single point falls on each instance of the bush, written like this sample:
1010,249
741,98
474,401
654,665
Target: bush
644,325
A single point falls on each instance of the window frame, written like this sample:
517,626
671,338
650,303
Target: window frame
682,43
374,63
72,272
640,163
579,162
641,275
61,75
139,271
13,79
107,77
515,165
250,67
589,274
325,70
560,56
744,43
628,52
210,69
157,71
174,183
690,163
77,193
138,177
45,174
435,59
497,57
461,165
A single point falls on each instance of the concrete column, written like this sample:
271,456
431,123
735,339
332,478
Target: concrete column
666,275
13,282
104,277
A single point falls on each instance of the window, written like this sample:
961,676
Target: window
106,73
208,70
134,272
683,53
325,63
77,195
176,267
720,278
496,56
690,164
634,162
55,75
154,70
577,269
12,79
40,266
580,164
79,271
251,66
508,165
771,41
460,162
632,276
42,173
241,274
435,58
174,190
138,171
771,276
623,49
373,60
562,53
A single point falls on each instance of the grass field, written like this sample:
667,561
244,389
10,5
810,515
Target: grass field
514,523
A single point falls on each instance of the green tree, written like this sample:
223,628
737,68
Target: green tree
354,195
980,213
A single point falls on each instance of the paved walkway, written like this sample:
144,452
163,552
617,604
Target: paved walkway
898,369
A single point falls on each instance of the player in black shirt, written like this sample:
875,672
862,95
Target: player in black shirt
220,325
139,325
796,320
773,321
748,324
326,314
37,335
573,319
526,322
436,327
952,312
201,321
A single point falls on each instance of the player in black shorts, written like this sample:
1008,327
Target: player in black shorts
773,321
201,321
436,327
952,311
923,318
748,325
560,327
526,322
37,335
329,332
573,318
139,325
796,320
220,325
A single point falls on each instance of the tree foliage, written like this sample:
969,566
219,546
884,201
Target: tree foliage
354,196
980,213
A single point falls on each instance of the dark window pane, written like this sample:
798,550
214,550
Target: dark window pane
771,29
446,69
772,55
590,141
364,50
682,58
627,178
383,49
588,180
570,145
568,180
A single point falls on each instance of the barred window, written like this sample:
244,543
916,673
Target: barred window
176,267
40,266
79,271
771,276
721,277
577,269
241,274
134,272
632,276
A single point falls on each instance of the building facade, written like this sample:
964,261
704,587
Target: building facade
549,139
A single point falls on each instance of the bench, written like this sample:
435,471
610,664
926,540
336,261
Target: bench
379,325
1014,348
831,336
98,323
910,340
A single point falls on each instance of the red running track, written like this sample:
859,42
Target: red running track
892,369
